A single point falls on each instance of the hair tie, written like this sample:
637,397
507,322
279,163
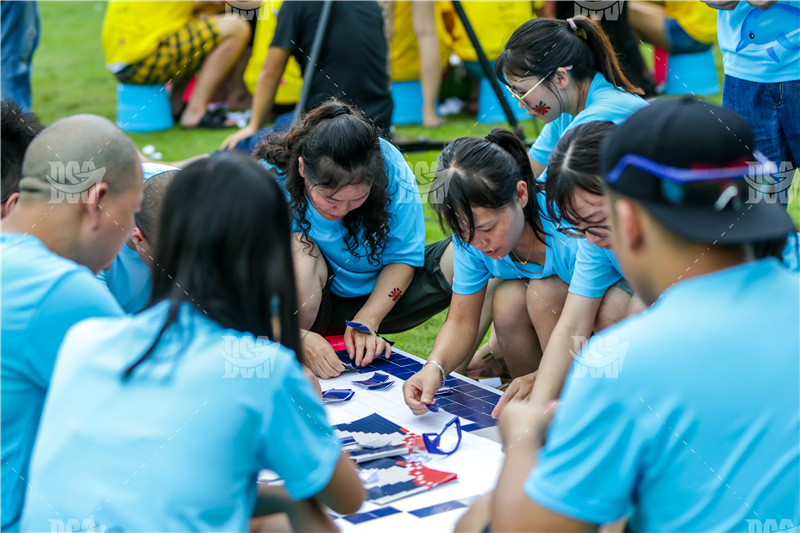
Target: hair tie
340,111
492,138
572,24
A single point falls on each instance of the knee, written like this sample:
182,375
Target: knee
613,308
508,305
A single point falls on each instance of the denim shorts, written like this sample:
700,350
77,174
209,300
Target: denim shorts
679,41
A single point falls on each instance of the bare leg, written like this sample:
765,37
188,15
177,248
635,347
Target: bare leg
647,20
235,33
515,332
423,16
477,516
310,273
545,301
613,308
636,305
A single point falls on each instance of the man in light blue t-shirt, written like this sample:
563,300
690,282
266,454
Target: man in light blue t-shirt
685,417
129,278
80,187
760,44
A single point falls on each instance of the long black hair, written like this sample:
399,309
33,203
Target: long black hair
339,147
540,46
574,164
474,172
224,247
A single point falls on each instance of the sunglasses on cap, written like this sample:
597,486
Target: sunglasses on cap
706,187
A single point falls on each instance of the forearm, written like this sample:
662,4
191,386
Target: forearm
267,86
509,497
455,340
392,283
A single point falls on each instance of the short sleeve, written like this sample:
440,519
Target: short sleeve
299,443
546,141
594,271
405,242
289,26
76,297
588,467
470,273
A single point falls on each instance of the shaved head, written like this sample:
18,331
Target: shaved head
153,191
76,152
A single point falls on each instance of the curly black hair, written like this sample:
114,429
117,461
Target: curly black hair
340,147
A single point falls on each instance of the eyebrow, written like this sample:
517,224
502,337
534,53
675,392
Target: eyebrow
336,200
591,217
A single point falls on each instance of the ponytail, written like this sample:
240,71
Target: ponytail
474,172
541,46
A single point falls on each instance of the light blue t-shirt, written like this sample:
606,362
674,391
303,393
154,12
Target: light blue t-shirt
603,102
129,279
472,269
405,240
178,447
791,252
596,269
761,45
686,415
42,295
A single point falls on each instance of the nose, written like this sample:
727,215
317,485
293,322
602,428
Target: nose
593,239
521,105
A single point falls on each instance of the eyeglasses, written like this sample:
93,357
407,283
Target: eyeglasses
682,187
580,233
521,97
432,441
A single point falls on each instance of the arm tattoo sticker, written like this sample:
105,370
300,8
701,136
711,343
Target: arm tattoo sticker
395,294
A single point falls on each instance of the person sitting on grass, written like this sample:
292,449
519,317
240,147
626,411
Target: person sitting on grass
130,277
598,294
67,225
673,442
167,416
486,195
359,236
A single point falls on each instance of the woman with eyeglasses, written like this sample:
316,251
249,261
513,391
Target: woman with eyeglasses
598,294
161,421
565,73
359,236
485,193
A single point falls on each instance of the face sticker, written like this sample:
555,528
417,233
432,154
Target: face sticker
541,108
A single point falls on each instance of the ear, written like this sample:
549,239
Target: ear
301,167
522,193
9,204
628,225
139,240
561,78
92,202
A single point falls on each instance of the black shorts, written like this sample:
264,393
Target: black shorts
428,294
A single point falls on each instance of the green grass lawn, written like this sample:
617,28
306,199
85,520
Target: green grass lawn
69,77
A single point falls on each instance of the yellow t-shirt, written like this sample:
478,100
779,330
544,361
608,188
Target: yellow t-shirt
695,17
132,30
292,80
405,51
493,22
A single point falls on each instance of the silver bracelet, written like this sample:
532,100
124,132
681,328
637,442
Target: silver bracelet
303,335
440,367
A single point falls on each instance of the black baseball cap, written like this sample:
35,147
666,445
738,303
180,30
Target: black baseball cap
670,145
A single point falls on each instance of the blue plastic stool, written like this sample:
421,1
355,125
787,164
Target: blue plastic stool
692,73
489,109
407,96
143,108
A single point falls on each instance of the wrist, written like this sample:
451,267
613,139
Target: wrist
439,369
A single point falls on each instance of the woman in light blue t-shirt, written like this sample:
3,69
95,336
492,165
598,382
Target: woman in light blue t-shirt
486,195
161,421
359,249
565,73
